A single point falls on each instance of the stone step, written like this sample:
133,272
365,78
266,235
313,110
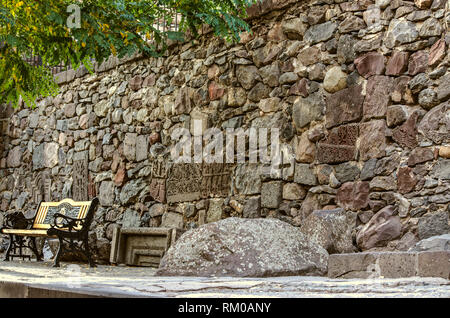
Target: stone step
390,265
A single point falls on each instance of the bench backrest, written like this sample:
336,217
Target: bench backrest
44,216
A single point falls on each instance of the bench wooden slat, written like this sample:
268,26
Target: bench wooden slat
37,233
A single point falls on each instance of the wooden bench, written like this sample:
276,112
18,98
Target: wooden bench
66,220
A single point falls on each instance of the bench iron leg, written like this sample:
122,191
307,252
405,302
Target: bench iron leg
87,252
60,251
34,248
10,247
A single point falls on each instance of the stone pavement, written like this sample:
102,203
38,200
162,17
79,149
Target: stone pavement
31,279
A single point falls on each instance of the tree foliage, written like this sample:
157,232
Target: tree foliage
107,27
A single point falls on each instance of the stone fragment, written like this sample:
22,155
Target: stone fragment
383,183
406,180
172,220
258,92
441,169
444,152
433,224
129,146
351,23
304,174
353,195
406,134
252,207
400,32
305,151
381,229
378,92
431,27
418,63
309,56
428,98
346,172
432,244
14,159
396,115
372,139
271,194
106,193
344,106
268,105
247,76
248,178
335,80
435,125
372,63
288,78
294,28
331,229
443,90
398,63
420,155
305,110
320,32
271,248
437,53
423,4
293,191
237,97
346,48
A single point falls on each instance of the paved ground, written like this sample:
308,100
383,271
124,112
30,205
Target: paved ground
142,282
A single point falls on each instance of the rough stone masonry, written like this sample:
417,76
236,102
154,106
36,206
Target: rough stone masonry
359,89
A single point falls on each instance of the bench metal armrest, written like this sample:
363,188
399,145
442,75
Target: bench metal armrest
17,220
68,223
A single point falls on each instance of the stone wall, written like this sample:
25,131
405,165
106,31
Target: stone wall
360,91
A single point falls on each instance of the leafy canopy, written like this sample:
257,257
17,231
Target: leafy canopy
107,27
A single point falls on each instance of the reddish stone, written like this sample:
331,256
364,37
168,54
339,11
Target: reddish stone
378,93
300,88
344,106
406,180
382,228
406,134
372,139
135,83
149,81
398,63
120,176
420,155
340,146
215,92
370,64
437,52
353,195
418,63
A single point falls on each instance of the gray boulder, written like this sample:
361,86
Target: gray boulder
244,248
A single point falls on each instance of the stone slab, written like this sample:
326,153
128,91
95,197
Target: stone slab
390,265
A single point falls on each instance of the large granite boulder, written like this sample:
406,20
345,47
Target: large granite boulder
382,228
331,229
245,248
